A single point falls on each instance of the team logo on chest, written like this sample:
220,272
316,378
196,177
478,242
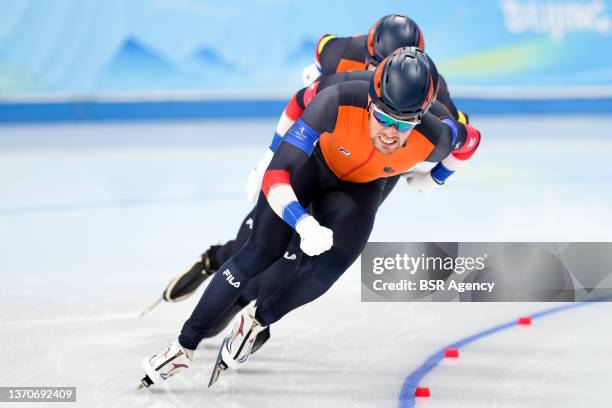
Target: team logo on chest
388,169
345,152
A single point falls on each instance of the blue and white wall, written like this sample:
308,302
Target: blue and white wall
184,52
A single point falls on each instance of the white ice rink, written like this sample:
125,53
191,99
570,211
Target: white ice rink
96,218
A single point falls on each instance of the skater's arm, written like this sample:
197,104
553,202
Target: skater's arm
455,144
334,54
277,188
295,148
465,142
341,54
293,111
303,98
446,100
458,157
312,72
276,184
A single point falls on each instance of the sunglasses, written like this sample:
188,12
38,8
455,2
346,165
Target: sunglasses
386,120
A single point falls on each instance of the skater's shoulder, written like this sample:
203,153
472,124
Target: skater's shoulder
341,54
355,48
340,77
351,92
321,113
441,132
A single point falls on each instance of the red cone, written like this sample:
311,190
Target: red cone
524,320
451,353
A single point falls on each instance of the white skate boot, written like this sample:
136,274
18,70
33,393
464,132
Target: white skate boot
169,362
237,347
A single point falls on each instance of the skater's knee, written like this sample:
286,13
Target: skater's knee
325,275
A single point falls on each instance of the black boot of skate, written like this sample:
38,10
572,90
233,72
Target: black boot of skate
261,339
185,284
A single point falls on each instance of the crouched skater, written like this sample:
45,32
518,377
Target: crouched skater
334,160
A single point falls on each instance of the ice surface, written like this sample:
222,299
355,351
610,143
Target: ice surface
95,219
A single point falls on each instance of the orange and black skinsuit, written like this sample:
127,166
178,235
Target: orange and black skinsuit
342,54
294,110
339,115
301,99
328,160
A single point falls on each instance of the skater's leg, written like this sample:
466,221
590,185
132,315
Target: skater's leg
263,285
273,278
221,254
185,284
270,279
267,242
290,268
351,216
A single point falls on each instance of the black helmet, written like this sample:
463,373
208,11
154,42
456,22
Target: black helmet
388,34
435,77
402,84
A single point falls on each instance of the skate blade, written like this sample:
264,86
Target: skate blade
152,306
220,366
144,383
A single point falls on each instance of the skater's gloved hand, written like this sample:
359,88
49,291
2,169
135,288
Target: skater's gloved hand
256,176
421,180
310,74
315,239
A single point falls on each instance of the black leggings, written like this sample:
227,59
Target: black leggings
291,270
347,208
350,215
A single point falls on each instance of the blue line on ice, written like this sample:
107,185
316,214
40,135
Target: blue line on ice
412,381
